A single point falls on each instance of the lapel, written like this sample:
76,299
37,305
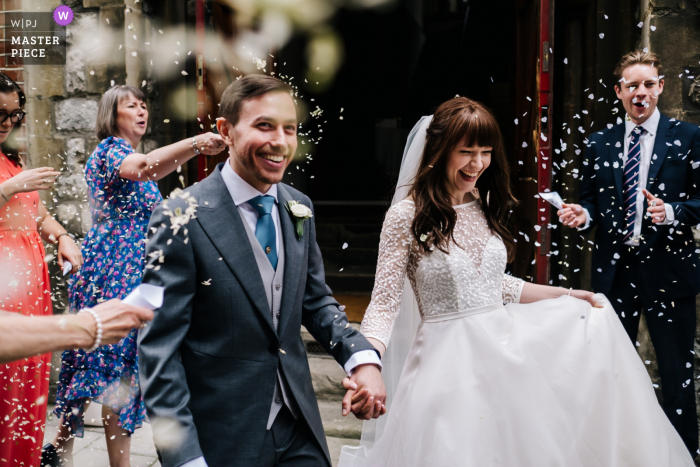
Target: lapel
293,256
664,139
223,225
617,135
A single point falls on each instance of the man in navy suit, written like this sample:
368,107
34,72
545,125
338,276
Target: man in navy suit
641,187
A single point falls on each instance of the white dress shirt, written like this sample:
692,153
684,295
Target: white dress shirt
242,192
646,142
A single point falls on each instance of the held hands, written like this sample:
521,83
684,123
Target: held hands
210,143
118,319
366,394
572,215
27,181
656,208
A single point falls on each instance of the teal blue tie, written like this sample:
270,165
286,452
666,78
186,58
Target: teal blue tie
265,228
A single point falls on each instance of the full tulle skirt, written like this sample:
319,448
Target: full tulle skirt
553,383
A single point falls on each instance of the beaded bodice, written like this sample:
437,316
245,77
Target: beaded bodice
470,276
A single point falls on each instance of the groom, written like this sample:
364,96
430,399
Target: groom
242,272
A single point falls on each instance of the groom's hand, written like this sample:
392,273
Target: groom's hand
369,401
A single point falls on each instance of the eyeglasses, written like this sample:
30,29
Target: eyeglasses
14,117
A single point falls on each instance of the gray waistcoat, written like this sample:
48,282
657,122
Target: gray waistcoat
273,280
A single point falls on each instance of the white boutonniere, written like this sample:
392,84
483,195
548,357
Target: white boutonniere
300,213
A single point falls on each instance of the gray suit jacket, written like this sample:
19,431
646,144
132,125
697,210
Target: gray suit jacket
210,357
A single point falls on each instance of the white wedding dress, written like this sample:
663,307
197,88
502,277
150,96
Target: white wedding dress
552,383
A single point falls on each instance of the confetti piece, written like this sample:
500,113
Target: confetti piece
259,63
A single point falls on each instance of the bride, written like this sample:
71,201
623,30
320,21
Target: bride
550,379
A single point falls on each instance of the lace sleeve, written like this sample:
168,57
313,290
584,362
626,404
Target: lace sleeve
394,250
512,288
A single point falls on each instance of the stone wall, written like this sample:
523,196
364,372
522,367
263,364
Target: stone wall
675,36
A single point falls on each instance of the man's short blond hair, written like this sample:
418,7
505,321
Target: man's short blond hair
637,57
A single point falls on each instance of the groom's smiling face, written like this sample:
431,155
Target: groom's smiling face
264,140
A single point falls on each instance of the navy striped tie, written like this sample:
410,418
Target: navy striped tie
629,196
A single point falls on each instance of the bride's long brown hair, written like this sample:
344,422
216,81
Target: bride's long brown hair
435,217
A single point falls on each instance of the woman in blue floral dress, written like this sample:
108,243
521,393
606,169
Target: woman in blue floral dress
122,193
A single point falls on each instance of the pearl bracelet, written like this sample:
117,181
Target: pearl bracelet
98,321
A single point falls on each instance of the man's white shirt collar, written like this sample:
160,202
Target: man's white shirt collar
650,125
241,191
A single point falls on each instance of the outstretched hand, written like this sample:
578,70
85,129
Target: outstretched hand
118,319
30,180
656,208
210,143
572,215
366,394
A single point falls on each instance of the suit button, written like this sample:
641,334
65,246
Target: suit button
268,250
278,286
278,399
278,315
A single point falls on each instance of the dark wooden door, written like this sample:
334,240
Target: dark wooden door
531,164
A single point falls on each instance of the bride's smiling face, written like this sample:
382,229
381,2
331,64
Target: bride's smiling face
465,165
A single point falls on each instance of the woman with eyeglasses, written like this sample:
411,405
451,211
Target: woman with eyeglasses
24,281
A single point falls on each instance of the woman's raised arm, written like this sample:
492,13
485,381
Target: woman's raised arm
162,161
